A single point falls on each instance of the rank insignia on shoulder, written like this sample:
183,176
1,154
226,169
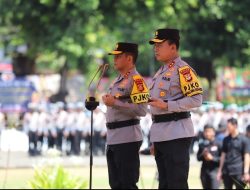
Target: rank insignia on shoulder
140,92
171,65
126,75
190,84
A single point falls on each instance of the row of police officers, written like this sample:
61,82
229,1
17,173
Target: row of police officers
63,129
174,91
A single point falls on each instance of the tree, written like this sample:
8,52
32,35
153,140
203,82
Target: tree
80,33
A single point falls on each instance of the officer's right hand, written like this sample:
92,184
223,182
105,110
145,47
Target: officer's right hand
108,100
219,175
152,150
158,103
208,156
246,177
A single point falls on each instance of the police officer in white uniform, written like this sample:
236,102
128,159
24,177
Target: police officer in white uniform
31,121
61,121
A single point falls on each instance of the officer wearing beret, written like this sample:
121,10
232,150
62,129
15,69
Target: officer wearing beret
175,90
126,102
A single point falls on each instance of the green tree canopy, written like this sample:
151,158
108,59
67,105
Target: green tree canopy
81,32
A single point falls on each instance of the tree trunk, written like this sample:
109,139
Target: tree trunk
23,65
62,93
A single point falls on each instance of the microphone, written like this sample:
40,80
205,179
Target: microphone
90,102
92,90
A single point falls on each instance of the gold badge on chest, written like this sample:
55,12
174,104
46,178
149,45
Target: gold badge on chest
117,95
171,69
124,83
161,84
168,74
162,94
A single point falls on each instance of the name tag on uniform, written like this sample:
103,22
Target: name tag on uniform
214,148
166,78
121,89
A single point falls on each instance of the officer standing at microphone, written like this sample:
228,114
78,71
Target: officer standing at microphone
174,91
125,104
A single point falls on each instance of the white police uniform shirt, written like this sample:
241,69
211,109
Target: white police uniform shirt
166,86
123,110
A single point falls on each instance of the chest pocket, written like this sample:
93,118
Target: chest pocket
122,88
164,87
236,146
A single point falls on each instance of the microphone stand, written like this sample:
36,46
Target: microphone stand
91,104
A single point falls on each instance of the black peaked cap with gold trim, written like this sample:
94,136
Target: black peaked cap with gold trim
122,47
165,34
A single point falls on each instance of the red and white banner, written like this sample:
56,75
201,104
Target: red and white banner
5,67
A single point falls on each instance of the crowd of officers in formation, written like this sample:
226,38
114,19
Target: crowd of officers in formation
66,127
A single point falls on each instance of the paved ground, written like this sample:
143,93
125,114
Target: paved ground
18,157
23,160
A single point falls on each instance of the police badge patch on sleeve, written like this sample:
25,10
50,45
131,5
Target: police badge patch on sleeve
190,84
140,93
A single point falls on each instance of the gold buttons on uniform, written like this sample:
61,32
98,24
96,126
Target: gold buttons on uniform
171,69
161,84
162,93
117,95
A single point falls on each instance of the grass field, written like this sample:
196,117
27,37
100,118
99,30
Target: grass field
18,178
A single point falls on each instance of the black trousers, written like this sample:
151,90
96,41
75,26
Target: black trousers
51,140
172,159
99,143
209,180
76,142
59,139
230,180
123,165
40,143
33,138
